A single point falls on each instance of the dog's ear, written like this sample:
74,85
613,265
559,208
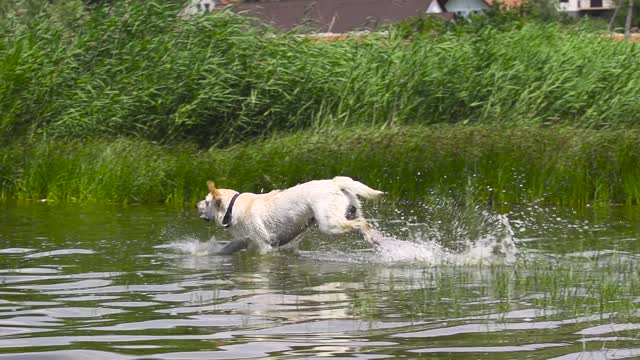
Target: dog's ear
212,189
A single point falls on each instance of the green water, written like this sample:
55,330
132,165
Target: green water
111,282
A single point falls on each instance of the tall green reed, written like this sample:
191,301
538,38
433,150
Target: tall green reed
138,69
122,171
475,164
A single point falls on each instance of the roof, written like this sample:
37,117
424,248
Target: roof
335,16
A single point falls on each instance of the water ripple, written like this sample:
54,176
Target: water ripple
440,288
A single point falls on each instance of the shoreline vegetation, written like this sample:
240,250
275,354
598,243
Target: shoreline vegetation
129,103
479,164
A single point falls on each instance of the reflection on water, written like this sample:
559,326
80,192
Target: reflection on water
141,282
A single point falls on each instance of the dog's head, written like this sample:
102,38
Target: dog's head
214,205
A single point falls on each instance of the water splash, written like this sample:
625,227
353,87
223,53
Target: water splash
497,245
193,246
393,250
444,232
448,234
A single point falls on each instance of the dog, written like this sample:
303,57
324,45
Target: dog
268,221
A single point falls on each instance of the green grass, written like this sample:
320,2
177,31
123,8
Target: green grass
481,164
489,164
139,70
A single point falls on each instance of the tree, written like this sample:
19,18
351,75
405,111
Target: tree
615,14
627,23
625,16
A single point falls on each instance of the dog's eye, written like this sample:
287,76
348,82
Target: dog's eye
207,202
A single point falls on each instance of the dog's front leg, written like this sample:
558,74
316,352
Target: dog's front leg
233,247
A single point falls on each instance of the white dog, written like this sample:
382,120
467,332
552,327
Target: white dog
266,221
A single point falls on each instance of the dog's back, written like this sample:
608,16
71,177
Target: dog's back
355,187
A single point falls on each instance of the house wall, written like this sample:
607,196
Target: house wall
580,5
434,8
198,7
465,7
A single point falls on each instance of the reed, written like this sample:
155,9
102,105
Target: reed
139,70
475,164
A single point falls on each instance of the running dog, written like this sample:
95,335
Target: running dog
267,221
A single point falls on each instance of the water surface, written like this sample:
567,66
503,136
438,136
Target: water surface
114,282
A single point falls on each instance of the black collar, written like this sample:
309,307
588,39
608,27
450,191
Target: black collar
226,221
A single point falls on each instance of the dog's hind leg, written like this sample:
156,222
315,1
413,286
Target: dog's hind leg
233,247
373,236
346,226
341,214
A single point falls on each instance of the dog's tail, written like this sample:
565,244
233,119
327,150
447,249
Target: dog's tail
356,187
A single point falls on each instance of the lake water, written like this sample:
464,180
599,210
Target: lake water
114,282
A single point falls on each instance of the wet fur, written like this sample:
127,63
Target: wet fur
267,221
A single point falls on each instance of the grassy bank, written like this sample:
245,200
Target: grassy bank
139,70
480,163
100,106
